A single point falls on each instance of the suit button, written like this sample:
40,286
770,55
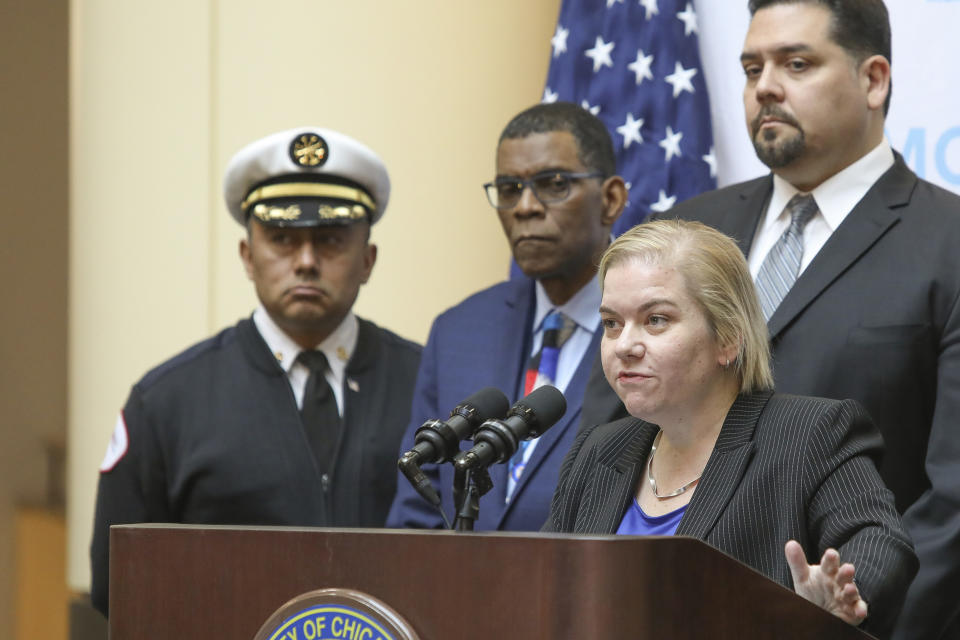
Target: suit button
325,483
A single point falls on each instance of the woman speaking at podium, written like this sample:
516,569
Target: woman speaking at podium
785,484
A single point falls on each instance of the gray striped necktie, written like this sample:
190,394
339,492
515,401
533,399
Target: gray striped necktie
782,265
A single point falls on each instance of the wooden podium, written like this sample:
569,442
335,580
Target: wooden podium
198,583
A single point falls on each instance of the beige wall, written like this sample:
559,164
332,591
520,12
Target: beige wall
33,261
163,93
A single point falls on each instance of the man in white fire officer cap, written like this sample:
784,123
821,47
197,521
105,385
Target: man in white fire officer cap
293,416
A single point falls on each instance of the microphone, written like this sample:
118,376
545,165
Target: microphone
496,440
439,441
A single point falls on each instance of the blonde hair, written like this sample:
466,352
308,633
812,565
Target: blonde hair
717,278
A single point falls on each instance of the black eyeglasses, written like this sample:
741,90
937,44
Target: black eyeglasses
547,187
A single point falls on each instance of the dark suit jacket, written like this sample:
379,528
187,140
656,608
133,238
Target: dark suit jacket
876,317
215,437
783,467
485,341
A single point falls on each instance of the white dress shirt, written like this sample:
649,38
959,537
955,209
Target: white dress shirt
338,347
836,197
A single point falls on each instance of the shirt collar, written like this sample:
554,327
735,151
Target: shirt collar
838,195
338,347
582,307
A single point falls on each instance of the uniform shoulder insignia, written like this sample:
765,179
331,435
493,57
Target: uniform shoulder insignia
117,448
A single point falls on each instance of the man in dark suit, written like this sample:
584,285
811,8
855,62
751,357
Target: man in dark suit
870,281
293,416
557,197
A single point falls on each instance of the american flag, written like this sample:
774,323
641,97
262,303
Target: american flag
635,64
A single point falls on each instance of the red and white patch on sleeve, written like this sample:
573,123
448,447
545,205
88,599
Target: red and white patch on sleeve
117,448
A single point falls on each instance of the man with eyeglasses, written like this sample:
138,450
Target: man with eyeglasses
557,196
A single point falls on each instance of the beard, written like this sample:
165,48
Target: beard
773,150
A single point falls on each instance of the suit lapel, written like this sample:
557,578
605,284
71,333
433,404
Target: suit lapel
876,213
726,466
571,417
754,196
513,331
620,461
511,338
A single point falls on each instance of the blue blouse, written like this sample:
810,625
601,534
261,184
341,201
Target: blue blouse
637,523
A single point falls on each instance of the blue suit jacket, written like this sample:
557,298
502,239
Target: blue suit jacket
484,342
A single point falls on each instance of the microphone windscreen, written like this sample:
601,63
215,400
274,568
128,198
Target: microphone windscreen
547,404
488,403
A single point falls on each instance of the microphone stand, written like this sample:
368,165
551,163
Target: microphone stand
468,485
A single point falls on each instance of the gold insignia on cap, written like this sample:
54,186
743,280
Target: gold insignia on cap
267,213
311,190
309,150
327,212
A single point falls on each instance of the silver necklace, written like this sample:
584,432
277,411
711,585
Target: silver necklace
653,483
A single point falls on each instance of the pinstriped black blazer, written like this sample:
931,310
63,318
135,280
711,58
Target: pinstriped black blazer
784,467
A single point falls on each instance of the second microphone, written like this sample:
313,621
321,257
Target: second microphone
497,440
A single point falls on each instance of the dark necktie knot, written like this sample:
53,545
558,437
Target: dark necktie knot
313,360
557,329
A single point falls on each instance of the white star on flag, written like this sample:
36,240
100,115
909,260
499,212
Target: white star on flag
595,110
600,54
549,96
641,66
630,130
654,90
689,19
664,203
651,7
711,159
680,79
559,41
671,143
